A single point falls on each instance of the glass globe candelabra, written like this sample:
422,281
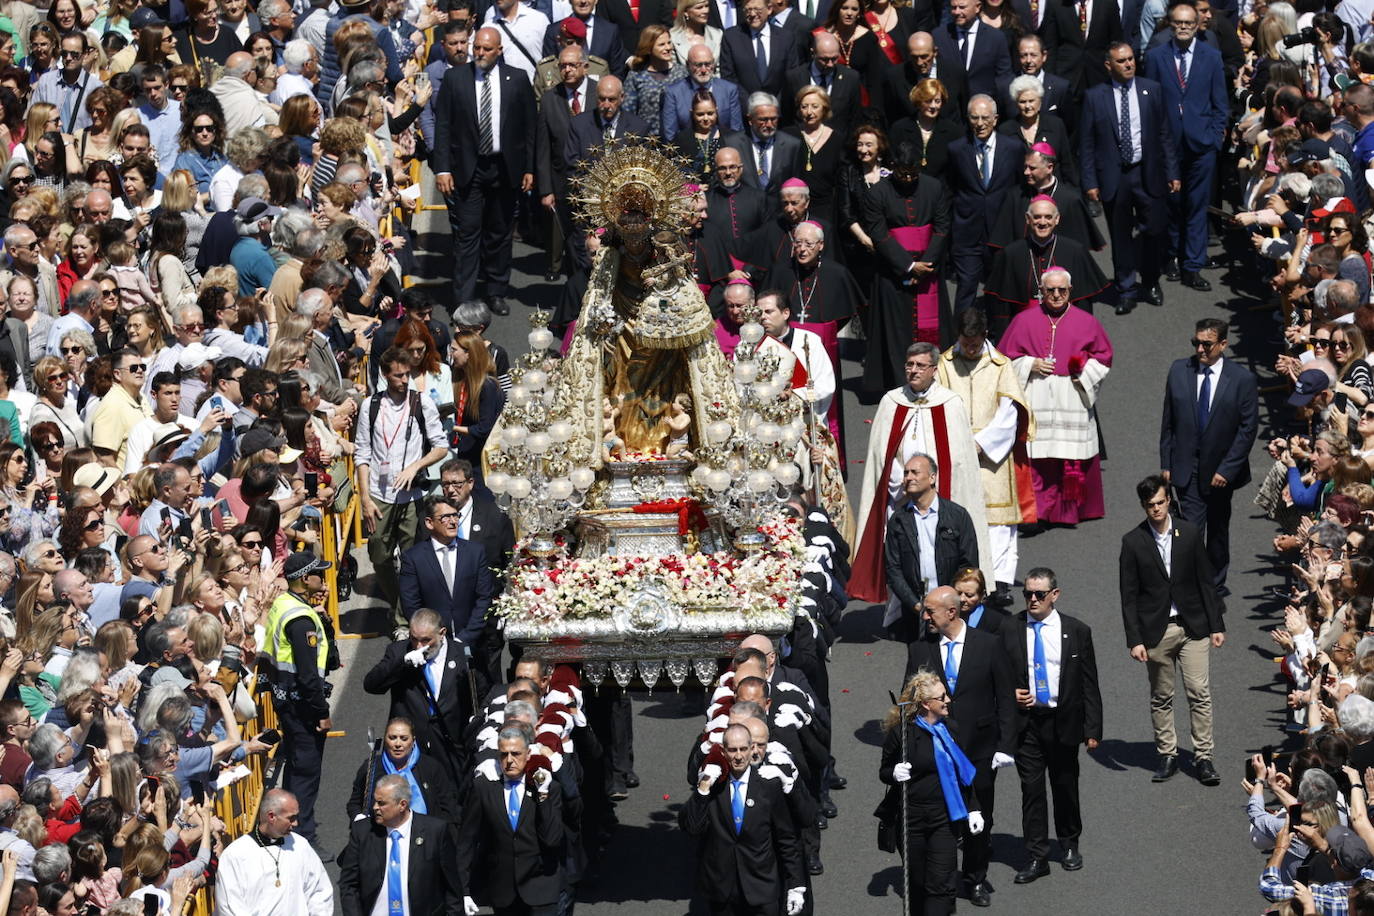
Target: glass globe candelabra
746,468
540,470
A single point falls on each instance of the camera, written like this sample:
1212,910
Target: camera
1307,36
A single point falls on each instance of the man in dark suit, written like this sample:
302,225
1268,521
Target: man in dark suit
741,47
1127,161
517,825
747,851
447,574
481,522
841,83
557,108
1172,614
650,12
608,121
427,678
1059,98
1204,450
1214,29
782,15
483,157
1060,707
977,50
1193,81
977,673
769,157
891,87
677,95
603,36
928,541
1080,33
400,857
983,168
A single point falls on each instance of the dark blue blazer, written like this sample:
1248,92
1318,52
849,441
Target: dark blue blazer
737,60
991,61
1223,447
1099,162
976,208
422,585
584,134
677,106
606,43
455,124
1196,116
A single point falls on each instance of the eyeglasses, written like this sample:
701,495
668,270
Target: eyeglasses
203,128
1206,344
1039,594
49,446
1340,344
242,567
73,351
1056,291
1320,342
447,517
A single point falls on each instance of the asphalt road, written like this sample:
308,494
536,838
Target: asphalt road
1148,848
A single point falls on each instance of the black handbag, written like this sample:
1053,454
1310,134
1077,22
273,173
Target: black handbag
888,813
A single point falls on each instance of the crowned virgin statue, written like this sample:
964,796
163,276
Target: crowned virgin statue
644,366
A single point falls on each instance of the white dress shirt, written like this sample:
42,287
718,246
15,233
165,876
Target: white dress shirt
1164,543
1053,637
481,76
526,31
958,643
969,39
447,556
926,525
1133,102
766,33
379,908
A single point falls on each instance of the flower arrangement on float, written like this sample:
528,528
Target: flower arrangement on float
567,587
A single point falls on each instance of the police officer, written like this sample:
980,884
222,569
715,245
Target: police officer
299,654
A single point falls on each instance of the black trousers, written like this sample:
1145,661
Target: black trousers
303,750
934,854
737,906
1211,512
482,217
1040,754
1135,223
520,908
611,717
978,849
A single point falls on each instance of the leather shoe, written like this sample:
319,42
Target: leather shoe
821,821
632,780
828,808
1194,280
1038,868
814,866
1206,773
1073,860
980,894
498,305
1154,295
618,792
1125,305
837,781
1171,270
1168,766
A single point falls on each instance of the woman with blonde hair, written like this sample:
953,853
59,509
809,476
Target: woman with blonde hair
50,379
655,66
933,780
98,140
477,398
295,327
339,137
42,117
692,26
286,355
179,195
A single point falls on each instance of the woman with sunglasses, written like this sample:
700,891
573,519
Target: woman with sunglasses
1345,233
18,179
202,144
50,379
251,543
22,488
45,438
42,50
1354,384
77,348
98,140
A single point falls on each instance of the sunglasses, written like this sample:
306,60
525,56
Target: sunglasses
1038,594
251,545
135,367
49,446
21,179
49,553
1209,344
203,129
1322,342
72,351
178,87
54,379
94,524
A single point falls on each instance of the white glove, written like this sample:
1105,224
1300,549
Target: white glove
902,772
796,899
469,906
416,658
1000,760
975,822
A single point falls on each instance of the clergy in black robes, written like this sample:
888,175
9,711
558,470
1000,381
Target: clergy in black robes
734,211
773,241
1042,178
822,296
1013,281
907,216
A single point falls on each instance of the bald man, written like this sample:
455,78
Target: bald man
701,74
484,145
977,673
824,70
891,89
237,94
606,121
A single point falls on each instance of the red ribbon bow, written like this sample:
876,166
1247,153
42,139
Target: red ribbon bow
689,514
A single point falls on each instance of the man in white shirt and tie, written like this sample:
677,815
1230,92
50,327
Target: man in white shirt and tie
1060,705
447,574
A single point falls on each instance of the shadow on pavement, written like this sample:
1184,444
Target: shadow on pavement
1123,755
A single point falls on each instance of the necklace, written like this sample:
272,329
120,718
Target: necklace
804,294
1054,326
1036,271
276,860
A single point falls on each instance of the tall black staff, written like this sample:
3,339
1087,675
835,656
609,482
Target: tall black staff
906,844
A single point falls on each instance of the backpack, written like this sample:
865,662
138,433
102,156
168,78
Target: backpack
374,407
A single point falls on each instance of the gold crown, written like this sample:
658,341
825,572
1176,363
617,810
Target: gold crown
628,183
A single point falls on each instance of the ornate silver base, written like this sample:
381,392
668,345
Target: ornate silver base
635,482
